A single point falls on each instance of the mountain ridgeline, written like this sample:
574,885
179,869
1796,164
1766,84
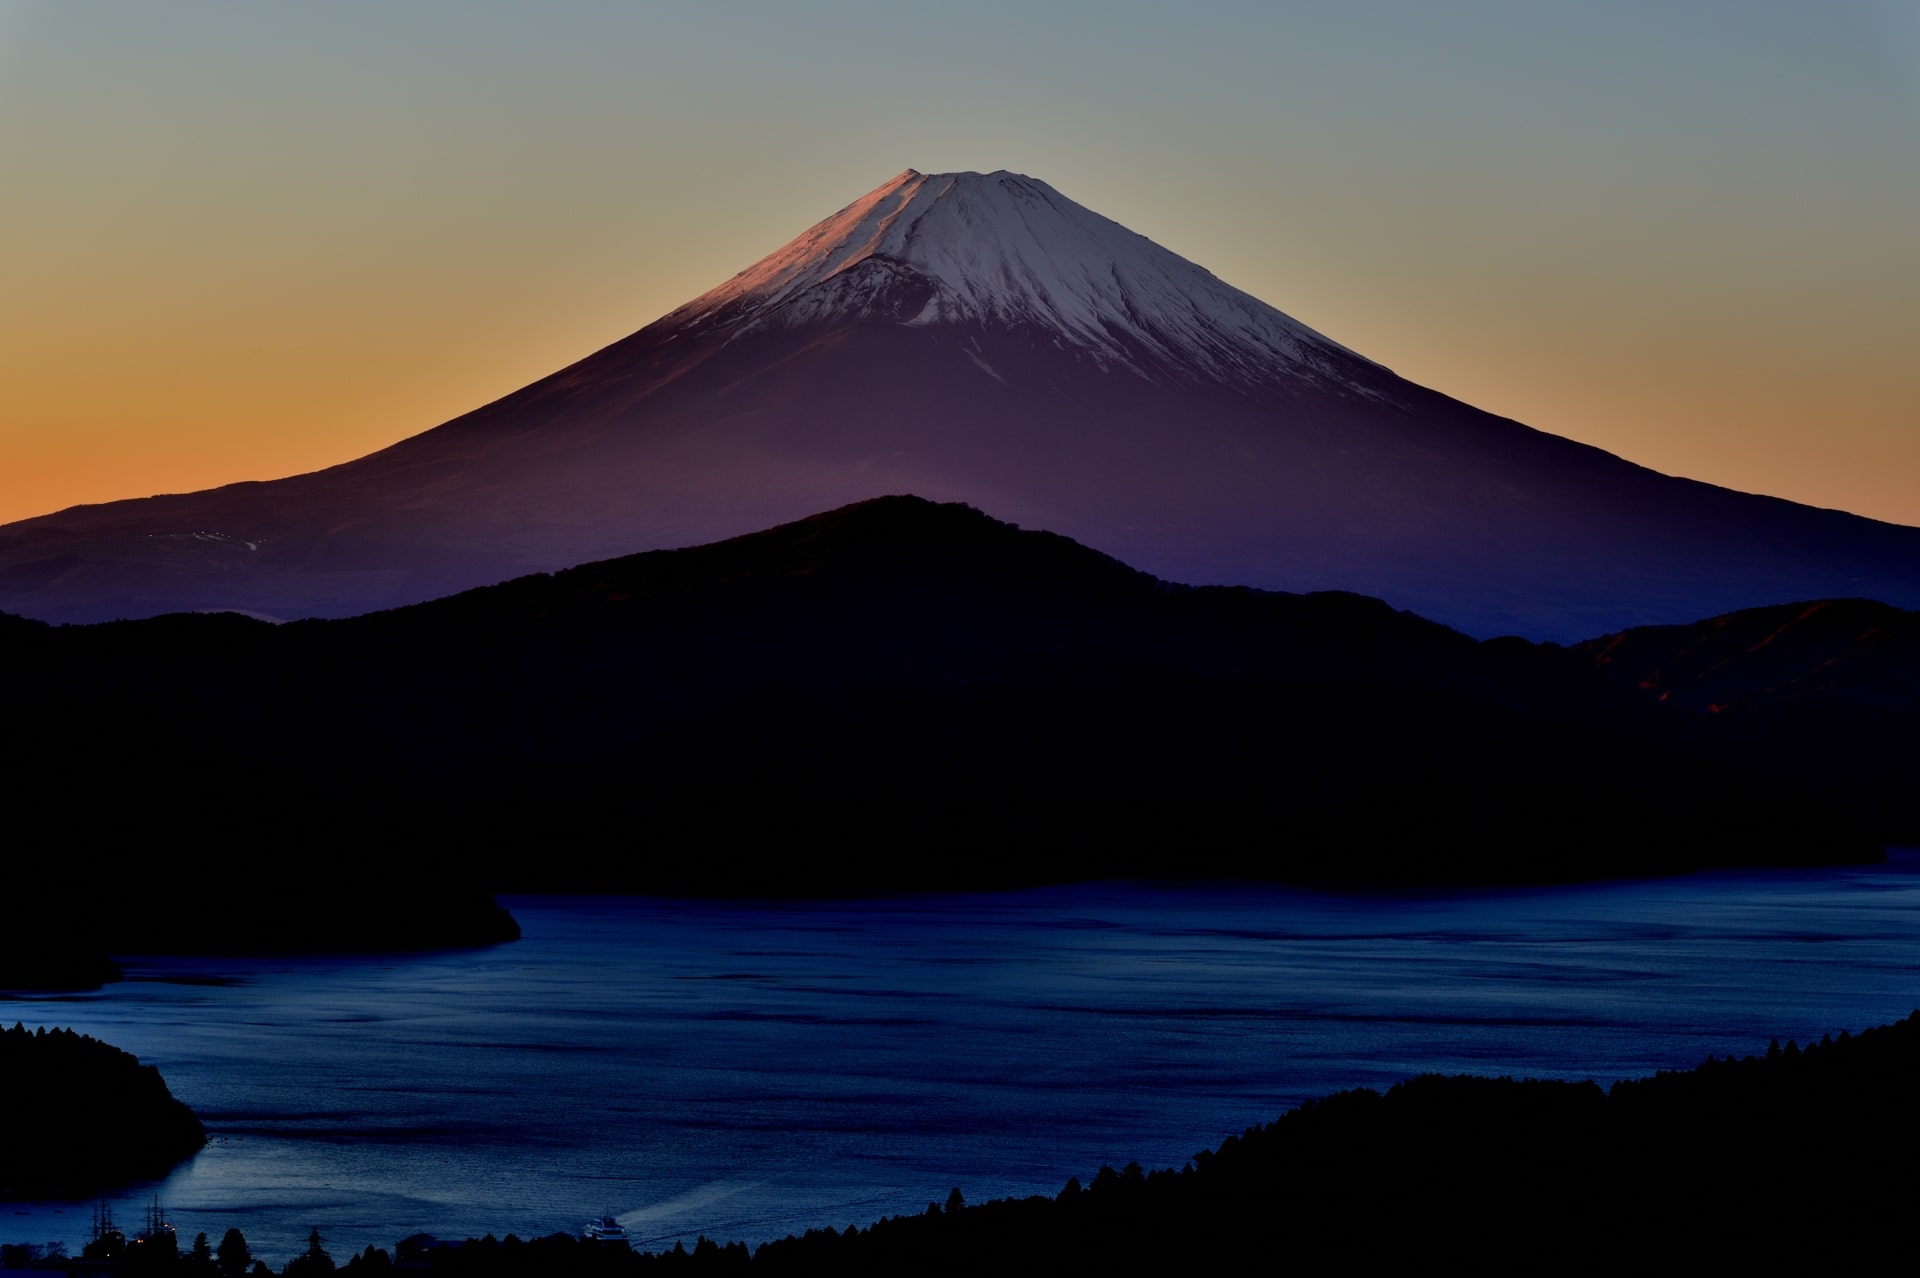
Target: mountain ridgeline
981,338
905,695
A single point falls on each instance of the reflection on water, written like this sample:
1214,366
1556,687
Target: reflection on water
744,1071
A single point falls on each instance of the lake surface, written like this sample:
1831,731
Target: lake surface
748,1070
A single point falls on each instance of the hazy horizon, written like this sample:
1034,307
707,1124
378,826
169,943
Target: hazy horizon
246,243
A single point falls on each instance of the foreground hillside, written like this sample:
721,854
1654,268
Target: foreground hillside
1790,1157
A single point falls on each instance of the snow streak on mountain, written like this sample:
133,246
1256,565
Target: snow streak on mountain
1009,250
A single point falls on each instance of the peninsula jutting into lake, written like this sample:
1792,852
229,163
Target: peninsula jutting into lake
84,1116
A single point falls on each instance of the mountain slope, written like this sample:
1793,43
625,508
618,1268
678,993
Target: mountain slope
981,338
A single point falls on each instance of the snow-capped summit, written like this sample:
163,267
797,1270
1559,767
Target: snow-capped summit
1009,250
979,337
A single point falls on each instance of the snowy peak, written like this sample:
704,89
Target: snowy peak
1004,250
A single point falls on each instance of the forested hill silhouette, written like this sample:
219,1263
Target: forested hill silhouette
1769,1159
83,1115
1828,691
894,695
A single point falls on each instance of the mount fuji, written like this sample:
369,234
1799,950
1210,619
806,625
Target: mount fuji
982,338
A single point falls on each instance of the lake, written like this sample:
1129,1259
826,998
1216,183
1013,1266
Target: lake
746,1070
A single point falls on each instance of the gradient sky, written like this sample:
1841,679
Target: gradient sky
243,240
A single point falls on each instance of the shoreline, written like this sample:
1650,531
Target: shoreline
1572,1153
626,950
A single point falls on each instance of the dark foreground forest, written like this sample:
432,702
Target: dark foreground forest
1800,1156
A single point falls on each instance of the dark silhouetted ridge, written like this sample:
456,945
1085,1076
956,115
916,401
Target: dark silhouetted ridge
1851,651
1825,692
930,697
883,544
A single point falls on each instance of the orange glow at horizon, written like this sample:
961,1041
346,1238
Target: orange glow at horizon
164,402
